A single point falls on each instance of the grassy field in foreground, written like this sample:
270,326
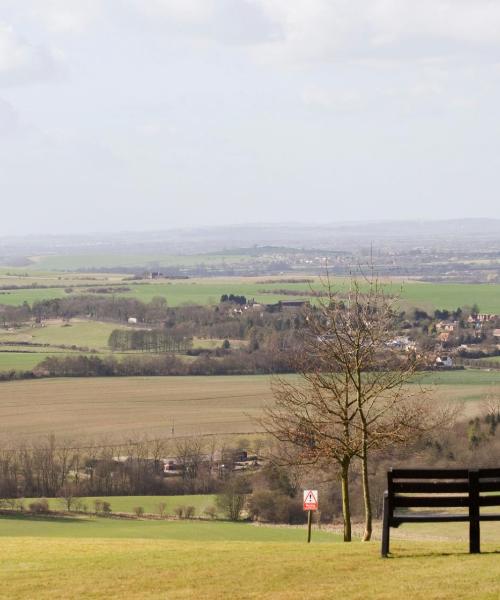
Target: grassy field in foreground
45,567
117,407
110,528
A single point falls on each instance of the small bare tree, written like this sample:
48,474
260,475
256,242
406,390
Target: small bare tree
352,395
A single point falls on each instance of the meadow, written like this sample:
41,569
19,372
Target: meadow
78,332
23,361
127,504
116,407
206,291
115,559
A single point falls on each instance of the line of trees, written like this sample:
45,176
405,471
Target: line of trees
239,362
156,340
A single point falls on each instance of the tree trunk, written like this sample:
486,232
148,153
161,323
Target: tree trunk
346,507
366,493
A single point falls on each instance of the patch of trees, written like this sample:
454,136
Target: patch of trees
239,362
156,340
234,298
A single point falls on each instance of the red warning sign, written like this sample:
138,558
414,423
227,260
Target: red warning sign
310,499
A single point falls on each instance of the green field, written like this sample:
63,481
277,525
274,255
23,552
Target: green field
139,261
116,559
208,291
126,504
117,407
23,361
79,332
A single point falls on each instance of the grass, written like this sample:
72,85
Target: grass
141,261
186,530
228,561
23,361
118,407
126,504
121,406
208,291
462,377
79,332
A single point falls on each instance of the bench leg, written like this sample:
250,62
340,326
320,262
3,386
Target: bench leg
474,523
385,527
474,537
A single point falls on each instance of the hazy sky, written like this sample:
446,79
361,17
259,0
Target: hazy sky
140,114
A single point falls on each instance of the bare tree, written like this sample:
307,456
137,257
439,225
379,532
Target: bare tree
352,395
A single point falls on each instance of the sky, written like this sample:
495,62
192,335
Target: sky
153,114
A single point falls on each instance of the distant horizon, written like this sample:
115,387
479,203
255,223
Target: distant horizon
246,225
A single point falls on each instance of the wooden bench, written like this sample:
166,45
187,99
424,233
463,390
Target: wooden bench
466,489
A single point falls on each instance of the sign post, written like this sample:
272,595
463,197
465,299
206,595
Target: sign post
310,504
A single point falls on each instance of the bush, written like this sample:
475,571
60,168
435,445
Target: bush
39,506
162,509
189,512
81,506
179,511
139,511
231,500
273,507
101,507
211,512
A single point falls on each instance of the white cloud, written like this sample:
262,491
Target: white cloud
182,11
63,16
341,100
383,29
9,119
22,62
224,21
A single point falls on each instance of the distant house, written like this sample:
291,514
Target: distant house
286,305
481,318
446,326
444,362
132,320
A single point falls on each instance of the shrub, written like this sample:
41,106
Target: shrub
231,499
101,507
39,506
139,511
274,507
189,512
211,512
162,509
179,511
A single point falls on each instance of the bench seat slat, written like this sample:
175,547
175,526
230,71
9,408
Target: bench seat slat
489,501
439,518
429,518
489,473
429,474
433,487
489,486
430,501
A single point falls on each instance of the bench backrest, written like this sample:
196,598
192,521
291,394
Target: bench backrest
442,488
